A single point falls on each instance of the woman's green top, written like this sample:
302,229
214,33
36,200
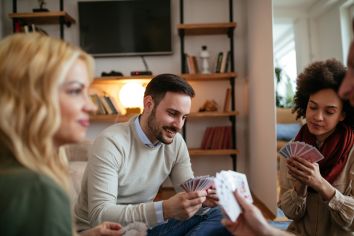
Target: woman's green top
31,203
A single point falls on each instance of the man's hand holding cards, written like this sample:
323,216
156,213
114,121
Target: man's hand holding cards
302,150
198,183
226,183
201,183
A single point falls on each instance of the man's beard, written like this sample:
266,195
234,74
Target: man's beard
154,129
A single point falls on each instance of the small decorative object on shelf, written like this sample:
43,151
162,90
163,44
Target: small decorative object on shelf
209,105
41,8
204,55
112,73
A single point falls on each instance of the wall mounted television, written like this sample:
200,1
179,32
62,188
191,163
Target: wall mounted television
125,27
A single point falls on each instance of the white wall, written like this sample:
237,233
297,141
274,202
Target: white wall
326,31
318,31
262,145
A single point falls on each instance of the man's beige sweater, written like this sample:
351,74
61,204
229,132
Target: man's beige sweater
123,177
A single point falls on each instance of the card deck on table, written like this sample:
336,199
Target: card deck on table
301,149
198,183
226,182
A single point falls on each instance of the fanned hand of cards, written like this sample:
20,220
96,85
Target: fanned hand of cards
226,182
198,183
301,149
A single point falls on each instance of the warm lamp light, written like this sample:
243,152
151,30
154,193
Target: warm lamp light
131,96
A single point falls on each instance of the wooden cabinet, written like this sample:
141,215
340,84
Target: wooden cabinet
186,30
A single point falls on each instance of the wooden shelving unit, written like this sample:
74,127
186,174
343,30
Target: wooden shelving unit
111,118
212,152
41,18
188,77
200,29
211,76
119,79
60,17
212,114
206,28
193,115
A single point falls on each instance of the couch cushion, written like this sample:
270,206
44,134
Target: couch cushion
287,131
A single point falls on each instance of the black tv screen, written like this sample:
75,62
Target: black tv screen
126,27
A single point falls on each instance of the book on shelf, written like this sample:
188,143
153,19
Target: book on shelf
205,137
216,138
192,64
219,144
38,29
111,104
218,62
26,28
227,101
195,64
219,137
210,138
225,61
105,105
227,144
96,100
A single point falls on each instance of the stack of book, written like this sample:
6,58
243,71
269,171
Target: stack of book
222,62
105,105
191,64
219,137
28,28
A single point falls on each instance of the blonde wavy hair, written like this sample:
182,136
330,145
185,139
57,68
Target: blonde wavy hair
32,68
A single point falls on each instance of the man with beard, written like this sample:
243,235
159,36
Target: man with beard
128,162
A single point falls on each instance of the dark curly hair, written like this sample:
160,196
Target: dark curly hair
317,76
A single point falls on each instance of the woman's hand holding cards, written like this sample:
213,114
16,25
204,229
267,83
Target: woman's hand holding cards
309,175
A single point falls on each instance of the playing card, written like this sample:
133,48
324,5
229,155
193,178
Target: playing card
301,149
241,184
284,152
288,149
226,182
198,183
293,147
226,197
313,155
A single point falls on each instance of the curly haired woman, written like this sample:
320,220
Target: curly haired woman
318,197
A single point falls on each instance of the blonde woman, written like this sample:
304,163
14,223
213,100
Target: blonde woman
44,104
